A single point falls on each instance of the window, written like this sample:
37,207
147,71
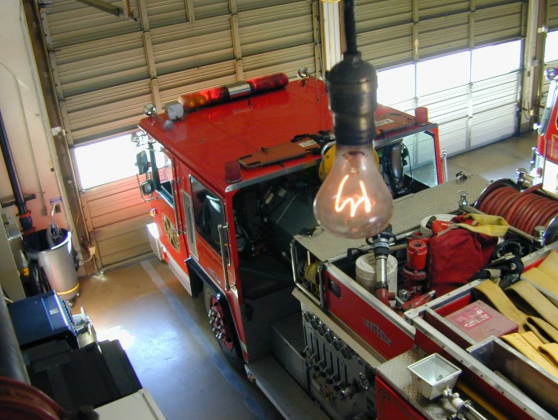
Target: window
106,161
496,60
163,176
421,161
209,213
396,85
551,47
443,73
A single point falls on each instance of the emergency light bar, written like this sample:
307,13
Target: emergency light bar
232,91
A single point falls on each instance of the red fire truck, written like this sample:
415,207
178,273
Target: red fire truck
232,183
544,161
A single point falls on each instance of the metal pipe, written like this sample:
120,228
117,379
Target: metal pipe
12,174
11,361
381,270
512,229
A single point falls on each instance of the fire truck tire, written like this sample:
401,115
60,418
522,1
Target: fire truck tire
223,328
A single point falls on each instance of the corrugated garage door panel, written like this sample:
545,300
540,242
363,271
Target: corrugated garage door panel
453,136
499,23
494,108
553,14
374,14
71,22
443,34
287,60
173,85
166,12
123,247
384,31
275,28
191,45
436,8
100,64
204,9
244,5
449,109
495,92
107,111
446,106
493,125
117,216
388,46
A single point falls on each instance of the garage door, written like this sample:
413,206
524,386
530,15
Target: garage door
441,54
107,68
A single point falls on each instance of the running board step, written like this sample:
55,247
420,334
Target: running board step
283,391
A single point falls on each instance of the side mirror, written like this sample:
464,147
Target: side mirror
147,187
141,162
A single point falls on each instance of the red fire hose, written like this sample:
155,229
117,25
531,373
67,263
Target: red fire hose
523,210
19,401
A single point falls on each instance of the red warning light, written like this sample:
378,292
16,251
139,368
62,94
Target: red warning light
265,83
204,98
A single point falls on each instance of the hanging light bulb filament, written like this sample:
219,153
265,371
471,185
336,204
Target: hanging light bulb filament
350,201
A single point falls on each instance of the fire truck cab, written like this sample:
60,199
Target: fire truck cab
544,160
232,184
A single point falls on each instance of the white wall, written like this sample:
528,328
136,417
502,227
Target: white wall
24,115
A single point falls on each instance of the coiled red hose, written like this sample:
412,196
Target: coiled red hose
523,210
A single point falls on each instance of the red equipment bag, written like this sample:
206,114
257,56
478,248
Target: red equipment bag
457,254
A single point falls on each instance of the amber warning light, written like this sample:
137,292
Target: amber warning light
232,91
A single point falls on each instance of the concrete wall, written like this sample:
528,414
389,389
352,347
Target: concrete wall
25,118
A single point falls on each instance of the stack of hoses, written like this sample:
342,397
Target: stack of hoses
523,210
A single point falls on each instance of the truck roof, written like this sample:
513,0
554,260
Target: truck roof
210,137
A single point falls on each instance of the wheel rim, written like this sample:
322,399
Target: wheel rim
218,325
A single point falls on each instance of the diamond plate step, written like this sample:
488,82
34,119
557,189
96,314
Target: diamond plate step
283,391
408,213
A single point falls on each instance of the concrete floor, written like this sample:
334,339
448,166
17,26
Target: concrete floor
164,332
166,336
498,160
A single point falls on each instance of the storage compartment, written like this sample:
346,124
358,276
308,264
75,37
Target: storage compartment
433,374
538,384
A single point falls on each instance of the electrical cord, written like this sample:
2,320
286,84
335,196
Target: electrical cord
350,26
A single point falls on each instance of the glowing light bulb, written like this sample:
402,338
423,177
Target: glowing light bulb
354,201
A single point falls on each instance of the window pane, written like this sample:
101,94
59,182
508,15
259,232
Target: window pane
496,60
443,73
106,161
164,182
396,85
551,47
208,212
421,161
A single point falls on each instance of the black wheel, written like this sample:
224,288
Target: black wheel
223,328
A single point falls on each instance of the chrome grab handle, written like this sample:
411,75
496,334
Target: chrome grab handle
294,261
223,236
444,157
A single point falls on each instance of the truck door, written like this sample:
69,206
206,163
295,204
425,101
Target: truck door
167,215
211,234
